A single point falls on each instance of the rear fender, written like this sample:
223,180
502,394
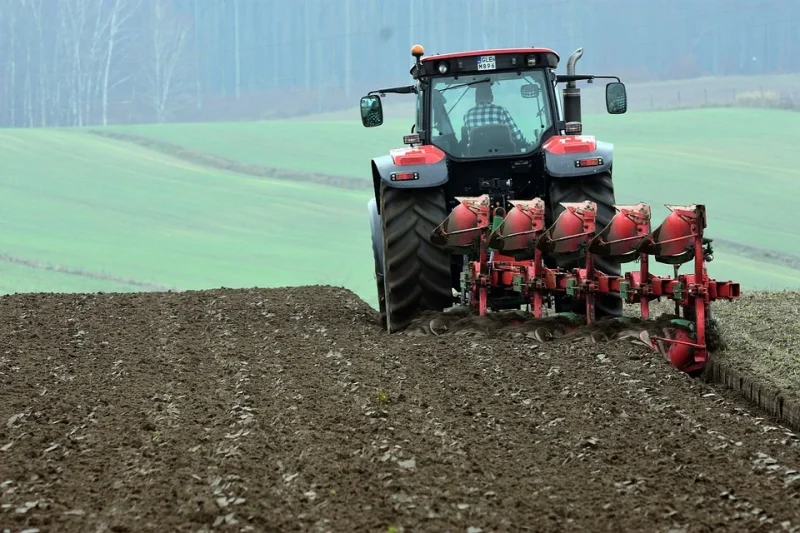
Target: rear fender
425,165
563,154
377,236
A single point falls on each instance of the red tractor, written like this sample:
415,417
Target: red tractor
498,201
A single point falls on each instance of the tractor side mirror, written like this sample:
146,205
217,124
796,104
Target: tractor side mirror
529,90
616,98
371,111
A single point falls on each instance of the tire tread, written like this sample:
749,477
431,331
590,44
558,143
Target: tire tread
417,273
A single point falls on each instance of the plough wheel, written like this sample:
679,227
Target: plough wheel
599,189
416,273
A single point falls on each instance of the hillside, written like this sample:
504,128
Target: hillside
676,157
704,156
226,209
101,206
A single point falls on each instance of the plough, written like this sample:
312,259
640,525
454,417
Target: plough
493,182
511,246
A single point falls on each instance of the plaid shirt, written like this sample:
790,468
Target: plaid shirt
486,114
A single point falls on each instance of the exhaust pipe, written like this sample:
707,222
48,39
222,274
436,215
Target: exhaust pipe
572,94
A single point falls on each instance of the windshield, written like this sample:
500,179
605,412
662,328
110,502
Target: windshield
489,115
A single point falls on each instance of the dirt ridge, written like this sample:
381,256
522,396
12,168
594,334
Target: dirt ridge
222,163
764,255
41,265
766,397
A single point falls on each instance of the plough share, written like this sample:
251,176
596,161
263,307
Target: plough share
511,246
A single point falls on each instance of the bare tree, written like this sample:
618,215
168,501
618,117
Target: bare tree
348,54
121,11
109,17
11,62
72,16
28,96
308,7
165,68
42,72
237,55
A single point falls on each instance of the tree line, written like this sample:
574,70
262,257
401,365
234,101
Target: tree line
90,62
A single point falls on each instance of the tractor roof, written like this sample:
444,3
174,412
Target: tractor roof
493,51
494,59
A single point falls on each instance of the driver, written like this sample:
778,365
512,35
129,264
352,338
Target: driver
486,113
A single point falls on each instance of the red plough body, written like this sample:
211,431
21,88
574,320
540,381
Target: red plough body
511,248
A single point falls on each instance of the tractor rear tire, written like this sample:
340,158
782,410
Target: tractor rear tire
416,273
598,188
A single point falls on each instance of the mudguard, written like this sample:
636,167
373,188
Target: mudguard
412,168
377,235
573,156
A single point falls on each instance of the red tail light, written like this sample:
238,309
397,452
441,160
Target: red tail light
591,162
405,176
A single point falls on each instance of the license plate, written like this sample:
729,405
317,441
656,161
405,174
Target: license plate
486,63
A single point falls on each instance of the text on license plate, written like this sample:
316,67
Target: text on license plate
486,63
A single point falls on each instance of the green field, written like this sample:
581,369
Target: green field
737,162
98,205
89,203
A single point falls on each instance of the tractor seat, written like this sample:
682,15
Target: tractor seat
491,139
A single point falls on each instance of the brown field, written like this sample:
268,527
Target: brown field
290,410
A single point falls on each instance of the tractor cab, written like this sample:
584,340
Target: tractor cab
490,103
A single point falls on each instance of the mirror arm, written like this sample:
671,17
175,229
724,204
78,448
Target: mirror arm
409,89
560,78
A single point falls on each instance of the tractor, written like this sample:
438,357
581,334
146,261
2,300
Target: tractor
497,200
415,189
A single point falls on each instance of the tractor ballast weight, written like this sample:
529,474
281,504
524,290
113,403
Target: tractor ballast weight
493,215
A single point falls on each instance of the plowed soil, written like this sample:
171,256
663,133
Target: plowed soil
290,410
